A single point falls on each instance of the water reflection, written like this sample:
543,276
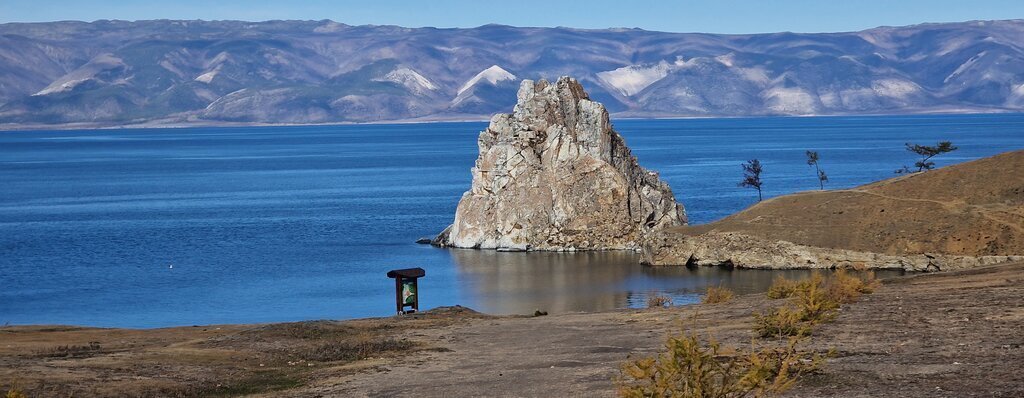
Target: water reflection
519,283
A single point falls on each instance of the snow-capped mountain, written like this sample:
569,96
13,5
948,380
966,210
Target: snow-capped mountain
117,72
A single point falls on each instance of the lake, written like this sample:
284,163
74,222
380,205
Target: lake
162,227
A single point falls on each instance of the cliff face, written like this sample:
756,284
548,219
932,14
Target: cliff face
553,175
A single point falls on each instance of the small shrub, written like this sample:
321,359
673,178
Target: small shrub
782,321
782,288
847,288
658,301
717,295
691,368
811,302
14,392
815,302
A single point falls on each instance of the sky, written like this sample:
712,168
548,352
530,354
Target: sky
710,16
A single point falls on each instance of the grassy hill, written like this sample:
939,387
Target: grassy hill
972,209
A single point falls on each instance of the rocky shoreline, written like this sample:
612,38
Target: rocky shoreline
744,251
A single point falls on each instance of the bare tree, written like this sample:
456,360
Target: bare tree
928,152
812,160
752,176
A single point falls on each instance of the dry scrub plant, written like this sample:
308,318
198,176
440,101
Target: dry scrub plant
811,302
658,301
782,321
691,368
783,288
717,295
848,288
14,393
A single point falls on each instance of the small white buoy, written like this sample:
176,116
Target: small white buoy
171,266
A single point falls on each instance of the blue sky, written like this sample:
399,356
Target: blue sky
713,16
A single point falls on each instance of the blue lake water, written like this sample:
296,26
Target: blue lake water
289,223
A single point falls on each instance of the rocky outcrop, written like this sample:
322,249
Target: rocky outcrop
744,251
555,176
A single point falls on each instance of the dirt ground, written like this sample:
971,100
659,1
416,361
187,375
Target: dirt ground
947,335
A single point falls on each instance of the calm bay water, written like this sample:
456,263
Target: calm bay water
289,223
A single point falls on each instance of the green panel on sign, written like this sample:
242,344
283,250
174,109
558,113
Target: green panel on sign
408,292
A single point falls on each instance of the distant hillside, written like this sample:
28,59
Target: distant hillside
117,72
972,209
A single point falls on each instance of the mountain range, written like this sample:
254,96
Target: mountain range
195,72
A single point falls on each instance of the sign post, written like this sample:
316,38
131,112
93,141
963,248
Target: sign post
406,291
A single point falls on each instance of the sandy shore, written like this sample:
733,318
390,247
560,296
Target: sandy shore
948,334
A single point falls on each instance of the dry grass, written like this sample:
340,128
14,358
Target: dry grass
353,351
658,301
692,368
71,351
207,361
717,295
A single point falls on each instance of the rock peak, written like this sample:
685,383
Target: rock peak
554,175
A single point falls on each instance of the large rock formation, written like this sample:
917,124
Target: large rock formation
553,175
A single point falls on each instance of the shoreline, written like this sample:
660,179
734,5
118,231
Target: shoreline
889,273
905,339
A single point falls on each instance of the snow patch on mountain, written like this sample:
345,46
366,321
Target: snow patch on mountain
221,58
87,72
757,75
1016,97
955,44
409,79
61,87
790,100
330,27
169,66
633,79
895,88
208,76
963,67
1018,90
492,75
727,59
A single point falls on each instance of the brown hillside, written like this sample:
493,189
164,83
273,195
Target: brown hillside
973,209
